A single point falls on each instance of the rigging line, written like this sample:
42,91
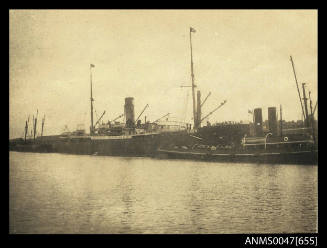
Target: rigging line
96,112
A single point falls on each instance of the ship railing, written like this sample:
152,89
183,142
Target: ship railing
299,144
282,142
107,137
262,141
289,131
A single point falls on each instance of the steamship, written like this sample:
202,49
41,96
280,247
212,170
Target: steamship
129,138
248,142
114,138
222,142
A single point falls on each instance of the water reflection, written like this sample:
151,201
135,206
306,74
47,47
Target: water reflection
126,184
56,193
195,205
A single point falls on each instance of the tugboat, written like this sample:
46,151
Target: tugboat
298,147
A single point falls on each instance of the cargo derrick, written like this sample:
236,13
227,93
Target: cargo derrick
138,122
297,86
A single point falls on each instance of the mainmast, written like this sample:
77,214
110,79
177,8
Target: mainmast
281,121
35,123
305,99
312,120
26,127
43,120
193,85
91,128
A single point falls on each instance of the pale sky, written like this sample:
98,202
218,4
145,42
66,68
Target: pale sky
242,56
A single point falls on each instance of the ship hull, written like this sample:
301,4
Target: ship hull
142,145
161,146
41,148
296,157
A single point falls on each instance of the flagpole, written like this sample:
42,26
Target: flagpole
91,128
193,86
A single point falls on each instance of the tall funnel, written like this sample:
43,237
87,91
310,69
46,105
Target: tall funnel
258,129
129,111
272,120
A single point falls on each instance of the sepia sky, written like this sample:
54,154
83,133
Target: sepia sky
242,56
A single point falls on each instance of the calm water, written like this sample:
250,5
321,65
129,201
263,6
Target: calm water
56,193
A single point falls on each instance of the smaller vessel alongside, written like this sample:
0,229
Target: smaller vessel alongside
248,143
271,148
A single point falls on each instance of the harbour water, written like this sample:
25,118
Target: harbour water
79,194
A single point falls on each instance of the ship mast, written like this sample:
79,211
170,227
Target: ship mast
43,120
312,120
35,123
305,99
193,85
281,121
26,128
91,128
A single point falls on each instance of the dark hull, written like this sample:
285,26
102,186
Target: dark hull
140,146
41,148
160,146
302,157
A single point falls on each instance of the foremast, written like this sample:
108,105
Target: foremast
192,30
92,127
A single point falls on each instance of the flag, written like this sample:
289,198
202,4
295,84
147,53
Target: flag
192,30
250,112
92,65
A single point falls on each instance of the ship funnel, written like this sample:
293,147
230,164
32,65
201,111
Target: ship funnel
272,120
258,129
129,111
